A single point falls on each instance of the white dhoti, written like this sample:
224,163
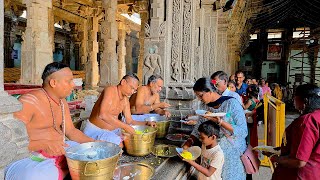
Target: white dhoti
142,117
102,134
38,167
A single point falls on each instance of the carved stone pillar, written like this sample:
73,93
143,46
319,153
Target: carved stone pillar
156,17
210,25
222,45
37,45
122,49
1,45
155,43
9,39
109,33
143,11
77,44
128,56
83,34
14,135
92,71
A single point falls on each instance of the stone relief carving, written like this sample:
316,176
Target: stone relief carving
180,93
196,65
206,50
212,46
162,29
186,39
147,30
153,63
175,41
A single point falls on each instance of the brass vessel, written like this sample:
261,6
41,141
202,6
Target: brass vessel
140,144
82,168
162,125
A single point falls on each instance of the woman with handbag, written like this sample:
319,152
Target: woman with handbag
233,126
300,148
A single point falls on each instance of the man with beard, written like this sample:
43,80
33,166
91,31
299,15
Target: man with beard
147,98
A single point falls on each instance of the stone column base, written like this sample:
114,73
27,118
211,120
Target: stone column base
14,138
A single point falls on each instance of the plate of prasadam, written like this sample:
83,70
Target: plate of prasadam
208,113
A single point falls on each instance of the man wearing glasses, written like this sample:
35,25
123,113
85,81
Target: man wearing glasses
220,80
106,121
147,98
241,86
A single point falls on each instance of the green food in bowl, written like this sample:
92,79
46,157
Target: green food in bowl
142,132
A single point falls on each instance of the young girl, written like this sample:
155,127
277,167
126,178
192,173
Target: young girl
249,106
232,86
212,157
252,94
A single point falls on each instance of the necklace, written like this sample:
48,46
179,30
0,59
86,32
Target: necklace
62,127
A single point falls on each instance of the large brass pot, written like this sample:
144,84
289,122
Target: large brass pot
162,125
83,168
140,144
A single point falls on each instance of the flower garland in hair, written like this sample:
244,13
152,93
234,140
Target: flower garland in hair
213,81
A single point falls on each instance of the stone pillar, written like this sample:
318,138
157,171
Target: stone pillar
222,53
92,71
109,34
122,49
129,53
143,11
1,44
156,17
210,61
154,40
36,46
14,135
83,34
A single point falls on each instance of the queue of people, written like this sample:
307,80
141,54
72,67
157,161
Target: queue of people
223,140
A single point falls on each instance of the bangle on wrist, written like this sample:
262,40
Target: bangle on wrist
272,157
220,122
190,139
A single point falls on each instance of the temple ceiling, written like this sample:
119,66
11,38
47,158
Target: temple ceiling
75,11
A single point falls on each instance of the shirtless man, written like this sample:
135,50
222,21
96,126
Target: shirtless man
47,118
106,120
147,98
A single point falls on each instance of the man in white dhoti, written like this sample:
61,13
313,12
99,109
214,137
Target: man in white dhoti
106,120
47,118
